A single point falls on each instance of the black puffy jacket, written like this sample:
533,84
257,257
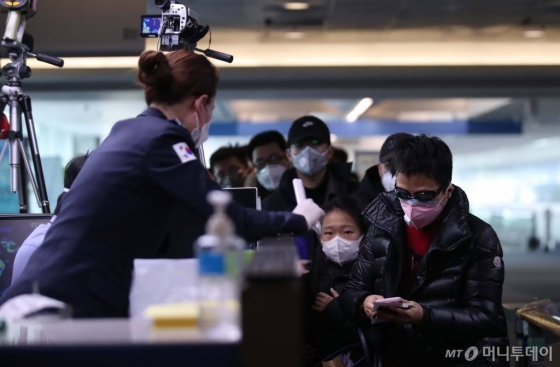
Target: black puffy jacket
459,284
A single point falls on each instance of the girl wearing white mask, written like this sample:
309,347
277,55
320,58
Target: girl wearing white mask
342,232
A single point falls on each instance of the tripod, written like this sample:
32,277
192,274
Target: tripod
19,103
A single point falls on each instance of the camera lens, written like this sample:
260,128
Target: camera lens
163,4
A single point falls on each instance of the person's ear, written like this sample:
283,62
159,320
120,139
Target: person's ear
330,153
450,191
289,155
200,103
380,170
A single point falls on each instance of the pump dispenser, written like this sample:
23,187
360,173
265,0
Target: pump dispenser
220,254
219,223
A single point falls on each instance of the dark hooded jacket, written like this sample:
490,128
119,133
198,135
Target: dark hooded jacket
370,187
339,184
459,285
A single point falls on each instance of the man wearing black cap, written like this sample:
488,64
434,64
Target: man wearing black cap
378,178
309,149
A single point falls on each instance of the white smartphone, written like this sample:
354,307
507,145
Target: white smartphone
391,302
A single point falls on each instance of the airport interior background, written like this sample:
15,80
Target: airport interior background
482,75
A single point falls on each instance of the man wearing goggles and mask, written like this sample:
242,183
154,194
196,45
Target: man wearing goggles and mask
309,150
424,246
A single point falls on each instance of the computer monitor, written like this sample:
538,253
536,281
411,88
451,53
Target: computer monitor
14,229
245,196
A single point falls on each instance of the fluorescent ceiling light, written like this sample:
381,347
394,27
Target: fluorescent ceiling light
296,6
533,33
295,35
359,109
426,116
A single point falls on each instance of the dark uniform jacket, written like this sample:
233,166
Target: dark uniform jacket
459,283
124,205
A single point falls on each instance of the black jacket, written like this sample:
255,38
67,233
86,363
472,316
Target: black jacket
284,198
330,330
370,187
459,283
134,190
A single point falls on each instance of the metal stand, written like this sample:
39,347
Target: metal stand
19,103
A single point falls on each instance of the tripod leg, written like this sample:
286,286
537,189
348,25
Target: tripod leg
22,189
25,104
29,173
3,151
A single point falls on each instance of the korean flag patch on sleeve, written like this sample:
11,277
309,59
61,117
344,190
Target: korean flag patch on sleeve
184,153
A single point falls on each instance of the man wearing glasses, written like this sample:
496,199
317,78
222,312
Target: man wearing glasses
267,150
309,150
424,246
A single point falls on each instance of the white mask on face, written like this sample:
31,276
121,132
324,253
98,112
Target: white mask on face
309,161
270,176
201,134
388,181
341,251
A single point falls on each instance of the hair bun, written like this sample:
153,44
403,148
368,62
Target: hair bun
154,69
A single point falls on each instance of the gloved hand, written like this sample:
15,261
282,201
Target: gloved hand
311,211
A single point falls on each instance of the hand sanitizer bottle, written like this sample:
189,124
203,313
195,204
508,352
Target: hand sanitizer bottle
221,259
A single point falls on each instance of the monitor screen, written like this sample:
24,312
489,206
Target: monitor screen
245,196
150,25
14,229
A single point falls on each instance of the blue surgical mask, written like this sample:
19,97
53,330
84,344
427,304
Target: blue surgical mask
309,161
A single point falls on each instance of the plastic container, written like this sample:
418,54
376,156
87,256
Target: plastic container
221,262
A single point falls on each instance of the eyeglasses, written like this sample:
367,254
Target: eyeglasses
422,196
231,171
273,159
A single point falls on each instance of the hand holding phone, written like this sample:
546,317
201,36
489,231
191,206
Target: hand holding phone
391,302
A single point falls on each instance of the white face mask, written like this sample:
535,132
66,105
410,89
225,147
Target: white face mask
309,161
201,134
388,181
270,176
341,251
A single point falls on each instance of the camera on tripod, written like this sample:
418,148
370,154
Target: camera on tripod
178,28
18,46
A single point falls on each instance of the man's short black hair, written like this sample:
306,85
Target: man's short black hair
390,146
425,155
264,138
349,205
237,151
73,168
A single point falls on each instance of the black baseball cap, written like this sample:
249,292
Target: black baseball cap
309,127
391,145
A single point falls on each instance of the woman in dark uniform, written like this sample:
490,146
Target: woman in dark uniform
132,188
